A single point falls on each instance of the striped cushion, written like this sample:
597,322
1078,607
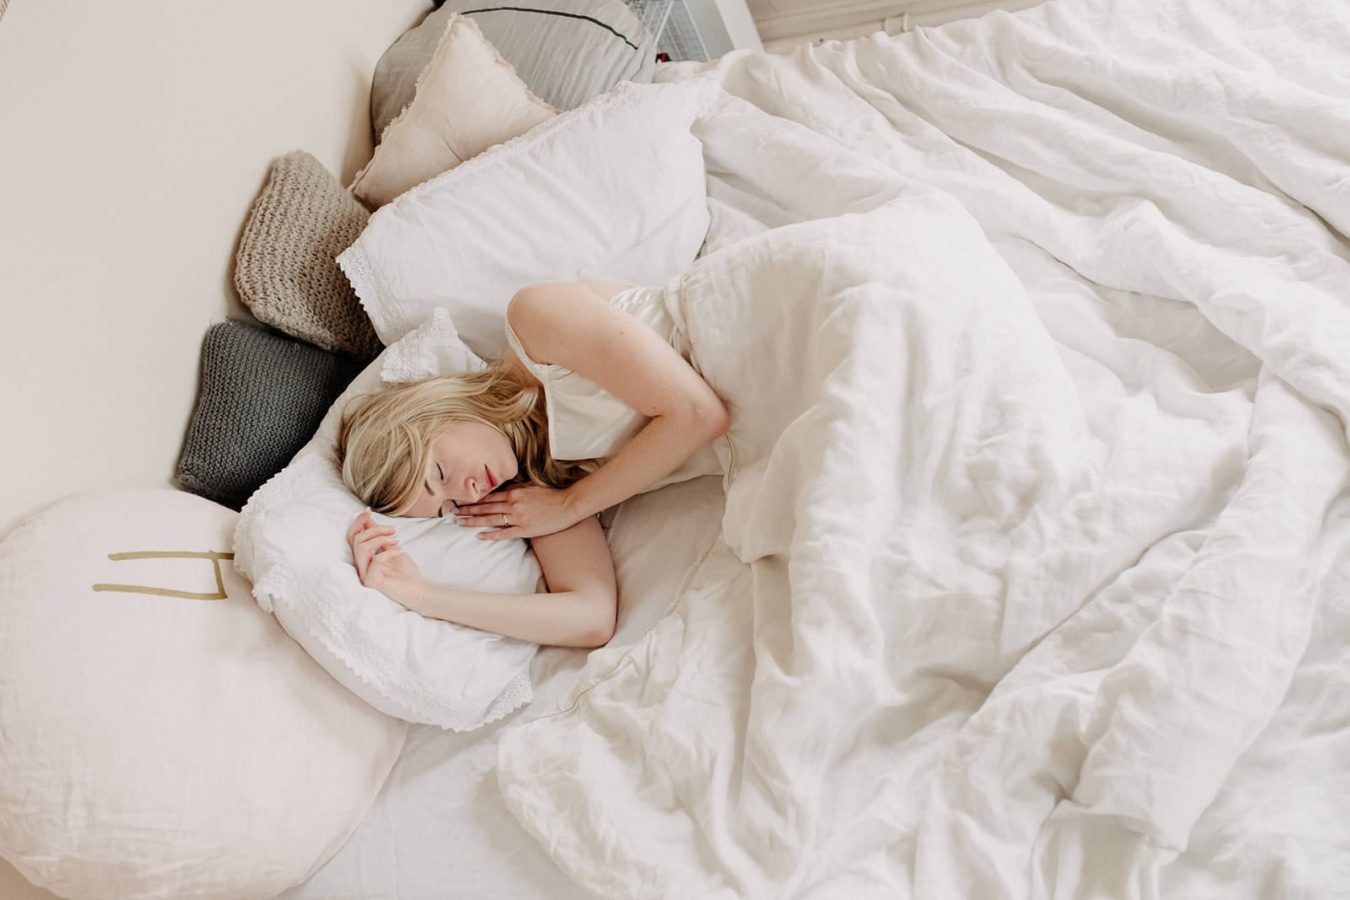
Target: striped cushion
566,51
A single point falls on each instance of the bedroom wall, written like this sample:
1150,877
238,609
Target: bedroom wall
783,24
136,136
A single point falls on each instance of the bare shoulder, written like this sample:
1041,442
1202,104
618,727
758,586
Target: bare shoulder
543,312
544,290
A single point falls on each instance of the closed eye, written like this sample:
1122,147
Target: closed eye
440,513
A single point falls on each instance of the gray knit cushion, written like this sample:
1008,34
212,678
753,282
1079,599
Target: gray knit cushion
262,398
566,51
286,269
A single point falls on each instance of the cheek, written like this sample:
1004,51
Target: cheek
424,506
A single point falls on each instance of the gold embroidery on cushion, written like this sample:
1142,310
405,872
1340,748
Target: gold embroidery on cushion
168,592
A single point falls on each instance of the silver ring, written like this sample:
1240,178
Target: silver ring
504,522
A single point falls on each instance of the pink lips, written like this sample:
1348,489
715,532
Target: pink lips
492,482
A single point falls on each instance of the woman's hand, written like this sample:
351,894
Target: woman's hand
523,511
381,564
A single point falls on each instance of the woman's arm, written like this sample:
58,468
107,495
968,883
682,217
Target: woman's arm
571,325
579,610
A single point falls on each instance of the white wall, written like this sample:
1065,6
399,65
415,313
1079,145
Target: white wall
783,24
724,25
136,134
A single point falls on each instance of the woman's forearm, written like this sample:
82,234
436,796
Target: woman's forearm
654,452
563,619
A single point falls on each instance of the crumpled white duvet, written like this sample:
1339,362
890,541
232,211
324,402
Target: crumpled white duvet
1034,576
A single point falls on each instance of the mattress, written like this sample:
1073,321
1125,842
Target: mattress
1135,686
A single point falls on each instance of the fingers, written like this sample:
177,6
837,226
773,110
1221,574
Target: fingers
357,524
369,543
363,520
385,556
500,534
495,507
501,500
369,533
492,521
370,554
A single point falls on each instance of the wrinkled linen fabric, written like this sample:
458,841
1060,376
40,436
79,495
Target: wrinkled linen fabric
1034,575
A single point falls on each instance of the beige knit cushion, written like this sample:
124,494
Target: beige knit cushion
286,269
468,98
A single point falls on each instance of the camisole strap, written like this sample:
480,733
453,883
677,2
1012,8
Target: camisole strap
530,364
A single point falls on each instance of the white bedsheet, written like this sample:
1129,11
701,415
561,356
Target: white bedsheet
1037,581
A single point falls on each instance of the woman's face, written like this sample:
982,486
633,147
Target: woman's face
467,461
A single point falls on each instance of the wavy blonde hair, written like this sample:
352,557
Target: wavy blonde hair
384,438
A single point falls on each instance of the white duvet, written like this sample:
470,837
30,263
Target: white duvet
1034,575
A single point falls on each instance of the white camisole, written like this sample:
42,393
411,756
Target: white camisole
587,422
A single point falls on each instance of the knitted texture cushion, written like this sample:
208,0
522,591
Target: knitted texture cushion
262,397
566,51
285,270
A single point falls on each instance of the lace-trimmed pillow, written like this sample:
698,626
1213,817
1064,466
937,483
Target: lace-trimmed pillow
291,541
614,190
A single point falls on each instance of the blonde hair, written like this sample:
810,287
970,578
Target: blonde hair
384,438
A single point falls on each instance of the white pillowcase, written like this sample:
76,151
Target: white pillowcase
613,190
291,541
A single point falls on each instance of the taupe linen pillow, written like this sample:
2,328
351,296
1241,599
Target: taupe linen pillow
468,99
286,269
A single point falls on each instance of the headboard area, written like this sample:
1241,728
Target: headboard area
136,137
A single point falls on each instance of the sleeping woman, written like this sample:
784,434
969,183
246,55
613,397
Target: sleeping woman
595,402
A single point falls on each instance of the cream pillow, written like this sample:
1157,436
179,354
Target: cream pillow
467,99
567,51
160,735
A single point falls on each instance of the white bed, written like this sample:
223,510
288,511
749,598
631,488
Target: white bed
1149,696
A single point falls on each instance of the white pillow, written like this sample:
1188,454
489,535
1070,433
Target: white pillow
161,736
291,540
612,190
467,99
